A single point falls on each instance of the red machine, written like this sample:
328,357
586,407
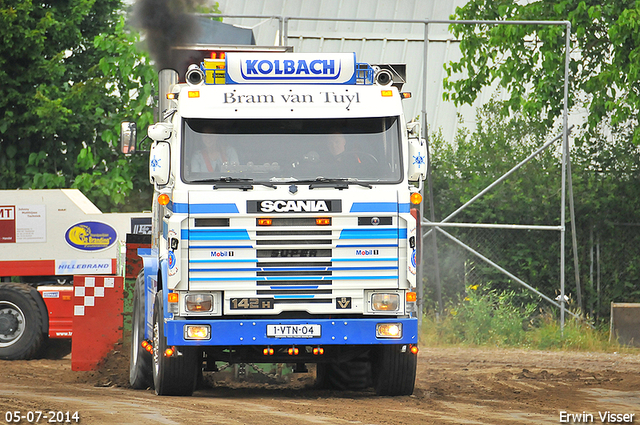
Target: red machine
46,238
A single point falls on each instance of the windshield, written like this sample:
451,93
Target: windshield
267,150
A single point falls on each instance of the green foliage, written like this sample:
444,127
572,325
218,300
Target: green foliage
529,60
577,335
71,72
604,173
486,317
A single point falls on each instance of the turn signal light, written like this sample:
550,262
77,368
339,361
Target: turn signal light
164,199
172,297
412,297
416,198
414,349
169,351
386,93
193,93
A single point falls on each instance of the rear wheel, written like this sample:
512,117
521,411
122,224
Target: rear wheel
21,322
140,372
394,370
175,375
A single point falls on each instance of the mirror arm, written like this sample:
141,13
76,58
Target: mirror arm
139,145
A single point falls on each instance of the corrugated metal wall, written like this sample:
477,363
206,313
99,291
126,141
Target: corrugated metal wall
372,42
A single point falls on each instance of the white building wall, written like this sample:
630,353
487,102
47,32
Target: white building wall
373,42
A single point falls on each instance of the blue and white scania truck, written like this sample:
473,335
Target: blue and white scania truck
284,223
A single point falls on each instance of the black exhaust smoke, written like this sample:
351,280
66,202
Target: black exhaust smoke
166,24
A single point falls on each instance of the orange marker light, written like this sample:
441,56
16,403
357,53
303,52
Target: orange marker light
265,221
323,221
169,352
414,349
193,93
164,199
412,297
405,95
386,93
416,198
173,297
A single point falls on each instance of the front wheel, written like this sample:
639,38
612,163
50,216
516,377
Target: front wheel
140,374
394,369
21,322
176,375
352,375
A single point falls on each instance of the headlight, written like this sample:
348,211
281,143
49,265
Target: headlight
199,302
385,302
389,330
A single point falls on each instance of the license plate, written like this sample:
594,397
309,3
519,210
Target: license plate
294,331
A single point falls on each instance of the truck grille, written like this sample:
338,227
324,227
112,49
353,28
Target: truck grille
307,273
294,261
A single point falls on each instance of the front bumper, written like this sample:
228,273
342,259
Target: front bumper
254,332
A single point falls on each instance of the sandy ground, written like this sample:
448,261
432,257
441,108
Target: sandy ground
454,386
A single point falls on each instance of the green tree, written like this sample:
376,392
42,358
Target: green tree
71,72
529,60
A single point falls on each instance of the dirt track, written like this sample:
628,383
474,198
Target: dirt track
454,386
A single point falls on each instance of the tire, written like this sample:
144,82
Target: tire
353,375
176,375
140,371
21,322
395,370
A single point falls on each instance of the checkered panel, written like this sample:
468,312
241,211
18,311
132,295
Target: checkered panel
85,295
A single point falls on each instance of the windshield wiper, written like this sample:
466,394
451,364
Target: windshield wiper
338,183
234,182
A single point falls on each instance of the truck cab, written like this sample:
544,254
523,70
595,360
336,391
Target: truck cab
285,224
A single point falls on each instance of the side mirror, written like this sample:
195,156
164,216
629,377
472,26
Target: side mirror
417,159
128,137
159,163
160,131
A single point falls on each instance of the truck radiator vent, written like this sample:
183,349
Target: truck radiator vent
293,282
293,242
298,263
283,272
295,253
307,276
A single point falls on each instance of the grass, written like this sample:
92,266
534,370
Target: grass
486,317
